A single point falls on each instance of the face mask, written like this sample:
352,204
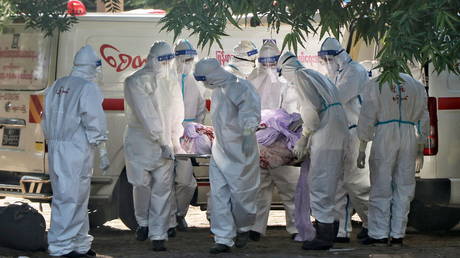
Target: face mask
272,74
245,67
162,69
331,66
98,79
185,68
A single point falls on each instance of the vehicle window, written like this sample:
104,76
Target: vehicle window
24,59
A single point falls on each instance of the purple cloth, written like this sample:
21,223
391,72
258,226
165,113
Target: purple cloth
277,123
267,136
302,206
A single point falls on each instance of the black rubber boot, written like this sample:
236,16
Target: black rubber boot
158,245
172,232
375,242
254,235
74,254
242,239
181,223
91,252
219,248
398,242
342,240
324,237
142,233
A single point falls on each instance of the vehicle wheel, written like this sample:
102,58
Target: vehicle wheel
125,203
96,216
426,218
100,213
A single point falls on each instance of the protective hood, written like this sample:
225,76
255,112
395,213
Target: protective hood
185,56
334,56
267,61
245,50
209,71
86,64
243,59
287,66
159,59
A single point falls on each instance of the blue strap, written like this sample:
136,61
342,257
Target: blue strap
419,130
190,52
360,100
234,67
183,85
271,59
252,52
330,52
352,126
190,120
200,78
330,105
165,57
394,121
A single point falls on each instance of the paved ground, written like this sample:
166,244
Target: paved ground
115,240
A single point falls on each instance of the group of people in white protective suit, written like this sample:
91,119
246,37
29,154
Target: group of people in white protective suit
341,113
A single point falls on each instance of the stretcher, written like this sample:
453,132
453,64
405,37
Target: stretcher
200,165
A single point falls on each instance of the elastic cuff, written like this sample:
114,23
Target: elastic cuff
251,124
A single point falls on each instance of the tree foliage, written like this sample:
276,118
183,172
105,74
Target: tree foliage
44,15
419,31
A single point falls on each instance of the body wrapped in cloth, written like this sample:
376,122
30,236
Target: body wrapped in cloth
278,133
197,138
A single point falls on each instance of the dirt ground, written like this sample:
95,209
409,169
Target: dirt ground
115,240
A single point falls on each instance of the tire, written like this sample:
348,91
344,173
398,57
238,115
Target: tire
125,202
426,218
100,213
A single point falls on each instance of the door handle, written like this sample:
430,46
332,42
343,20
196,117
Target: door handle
12,122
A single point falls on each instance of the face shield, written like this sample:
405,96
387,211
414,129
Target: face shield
268,65
244,57
203,79
185,59
164,66
328,60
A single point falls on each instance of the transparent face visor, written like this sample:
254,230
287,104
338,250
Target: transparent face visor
245,65
327,60
165,65
202,79
268,65
185,60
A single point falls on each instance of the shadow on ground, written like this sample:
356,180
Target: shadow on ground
113,242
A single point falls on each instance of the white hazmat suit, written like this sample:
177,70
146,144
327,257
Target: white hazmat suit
74,124
234,169
395,119
324,135
243,59
195,110
155,111
354,187
270,88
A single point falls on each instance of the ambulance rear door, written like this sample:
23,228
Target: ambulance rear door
26,69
